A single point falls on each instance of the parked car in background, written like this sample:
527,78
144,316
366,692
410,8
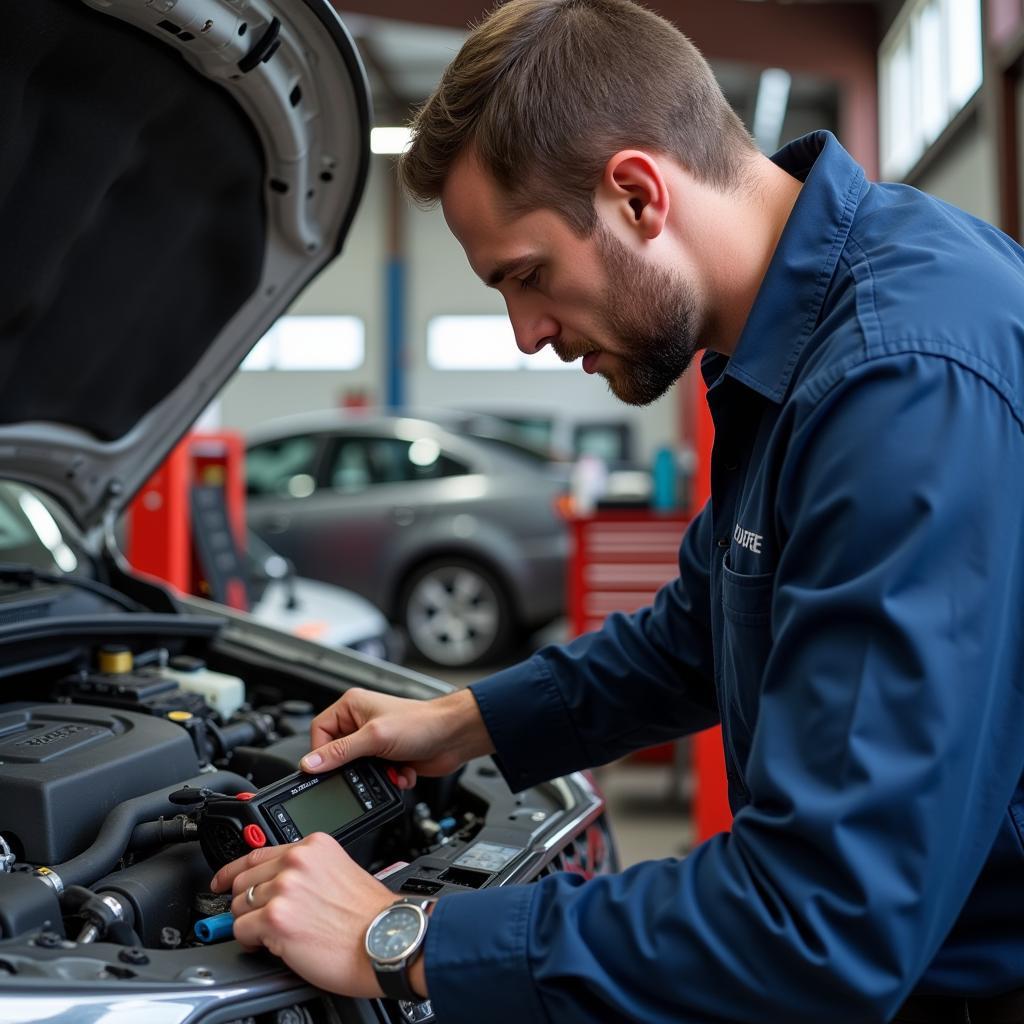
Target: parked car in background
565,436
316,611
564,442
457,538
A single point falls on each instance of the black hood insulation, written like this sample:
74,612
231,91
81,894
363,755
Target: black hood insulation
132,218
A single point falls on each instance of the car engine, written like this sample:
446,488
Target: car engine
103,771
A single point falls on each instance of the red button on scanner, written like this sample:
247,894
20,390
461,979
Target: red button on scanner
253,835
244,796
392,774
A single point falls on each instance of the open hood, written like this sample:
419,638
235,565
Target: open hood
172,173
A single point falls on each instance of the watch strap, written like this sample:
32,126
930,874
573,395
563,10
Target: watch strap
394,978
395,983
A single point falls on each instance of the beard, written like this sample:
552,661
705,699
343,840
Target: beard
653,316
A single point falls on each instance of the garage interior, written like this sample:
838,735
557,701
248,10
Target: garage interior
386,473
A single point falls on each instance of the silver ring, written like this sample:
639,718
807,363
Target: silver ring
250,895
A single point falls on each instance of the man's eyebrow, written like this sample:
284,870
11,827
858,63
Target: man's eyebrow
507,268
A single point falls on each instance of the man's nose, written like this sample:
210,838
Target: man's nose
533,333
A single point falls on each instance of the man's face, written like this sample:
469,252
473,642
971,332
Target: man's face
630,320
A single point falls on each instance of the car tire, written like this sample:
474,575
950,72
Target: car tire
456,614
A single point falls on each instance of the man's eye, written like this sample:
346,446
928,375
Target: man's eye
530,280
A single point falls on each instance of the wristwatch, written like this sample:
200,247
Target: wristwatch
393,940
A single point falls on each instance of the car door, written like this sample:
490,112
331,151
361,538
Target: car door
371,489
281,475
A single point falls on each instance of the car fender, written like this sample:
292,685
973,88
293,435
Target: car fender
462,536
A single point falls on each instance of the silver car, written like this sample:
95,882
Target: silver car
456,537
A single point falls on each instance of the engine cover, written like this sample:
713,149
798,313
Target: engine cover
64,767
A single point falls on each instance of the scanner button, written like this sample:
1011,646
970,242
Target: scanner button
254,836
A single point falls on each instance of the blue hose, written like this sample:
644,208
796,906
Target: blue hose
213,929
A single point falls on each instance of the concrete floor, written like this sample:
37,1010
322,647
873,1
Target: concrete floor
648,804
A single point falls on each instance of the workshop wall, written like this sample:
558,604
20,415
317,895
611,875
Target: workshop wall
964,174
439,281
353,284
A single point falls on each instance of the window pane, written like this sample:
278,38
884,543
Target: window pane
351,469
310,343
930,89
964,50
482,343
283,468
903,139
262,355
930,65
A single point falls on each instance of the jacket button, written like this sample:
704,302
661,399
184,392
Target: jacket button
723,542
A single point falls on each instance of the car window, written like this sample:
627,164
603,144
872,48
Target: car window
610,441
284,467
517,449
32,534
361,462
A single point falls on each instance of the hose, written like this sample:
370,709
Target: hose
179,829
116,831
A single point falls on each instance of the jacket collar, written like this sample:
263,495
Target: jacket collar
789,300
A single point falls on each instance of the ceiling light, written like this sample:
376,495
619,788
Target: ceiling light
389,140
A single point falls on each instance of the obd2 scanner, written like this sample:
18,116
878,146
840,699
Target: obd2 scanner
346,803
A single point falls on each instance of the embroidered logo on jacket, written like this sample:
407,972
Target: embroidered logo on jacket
748,539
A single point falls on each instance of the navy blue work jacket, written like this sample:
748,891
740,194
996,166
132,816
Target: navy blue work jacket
850,607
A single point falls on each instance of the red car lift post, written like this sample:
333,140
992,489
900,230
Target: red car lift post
160,519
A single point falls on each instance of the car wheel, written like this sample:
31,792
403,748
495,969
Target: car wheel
456,614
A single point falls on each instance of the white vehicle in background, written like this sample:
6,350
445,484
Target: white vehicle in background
316,611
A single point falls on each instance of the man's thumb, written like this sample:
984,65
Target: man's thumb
336,753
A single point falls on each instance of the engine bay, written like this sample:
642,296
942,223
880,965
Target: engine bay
106,763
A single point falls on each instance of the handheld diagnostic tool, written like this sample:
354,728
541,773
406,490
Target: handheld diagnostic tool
345,803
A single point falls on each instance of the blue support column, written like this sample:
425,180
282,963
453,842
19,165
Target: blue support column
395,336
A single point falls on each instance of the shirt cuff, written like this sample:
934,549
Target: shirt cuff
476,959
533,734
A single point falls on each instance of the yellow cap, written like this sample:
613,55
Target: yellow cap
179,716
115,660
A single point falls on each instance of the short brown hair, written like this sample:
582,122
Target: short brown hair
546,91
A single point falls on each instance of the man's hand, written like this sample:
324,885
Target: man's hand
431,737
311,907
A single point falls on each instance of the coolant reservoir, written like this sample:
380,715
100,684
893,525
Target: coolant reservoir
224,693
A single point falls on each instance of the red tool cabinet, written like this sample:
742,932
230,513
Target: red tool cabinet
618,560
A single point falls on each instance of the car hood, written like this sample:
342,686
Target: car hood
172,173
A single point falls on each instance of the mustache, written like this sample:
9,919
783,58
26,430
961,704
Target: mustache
570,351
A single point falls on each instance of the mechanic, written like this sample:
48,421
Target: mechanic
861,641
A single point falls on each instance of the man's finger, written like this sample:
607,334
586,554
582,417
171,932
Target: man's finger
224,879
249,929
337,720
341,750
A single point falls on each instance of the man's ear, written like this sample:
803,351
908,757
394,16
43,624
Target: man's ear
633,191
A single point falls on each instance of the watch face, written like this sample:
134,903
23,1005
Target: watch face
394,933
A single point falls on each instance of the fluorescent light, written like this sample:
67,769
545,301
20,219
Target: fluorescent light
770,109
389,140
